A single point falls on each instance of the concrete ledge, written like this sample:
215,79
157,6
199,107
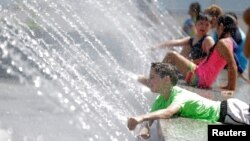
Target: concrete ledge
214,93
184,129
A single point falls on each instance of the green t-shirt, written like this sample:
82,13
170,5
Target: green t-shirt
192,105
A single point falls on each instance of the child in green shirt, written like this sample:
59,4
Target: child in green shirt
174,100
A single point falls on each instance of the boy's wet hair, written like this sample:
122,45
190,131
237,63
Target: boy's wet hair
165,69
203,16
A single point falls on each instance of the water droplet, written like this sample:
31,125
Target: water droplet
37,82
59,95
96,136
66,100
9,70
72,108
39,93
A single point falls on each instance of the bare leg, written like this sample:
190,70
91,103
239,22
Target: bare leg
181,63
185,51
244,77
144,80
174,58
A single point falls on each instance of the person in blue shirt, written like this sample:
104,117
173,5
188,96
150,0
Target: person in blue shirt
239,37
189,24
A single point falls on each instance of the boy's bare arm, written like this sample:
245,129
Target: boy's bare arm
160,114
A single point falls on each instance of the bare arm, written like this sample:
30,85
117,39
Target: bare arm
231,65
186,51
172,43
207,44
160,114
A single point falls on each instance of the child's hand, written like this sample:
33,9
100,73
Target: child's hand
132,122
229,88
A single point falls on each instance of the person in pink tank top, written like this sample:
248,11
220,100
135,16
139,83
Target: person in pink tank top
221,54
208,71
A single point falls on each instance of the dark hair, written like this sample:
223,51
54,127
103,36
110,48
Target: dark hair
203,16
236,35
232,14
196,7
230,26
166,69
229,23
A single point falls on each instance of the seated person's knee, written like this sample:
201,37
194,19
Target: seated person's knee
170,56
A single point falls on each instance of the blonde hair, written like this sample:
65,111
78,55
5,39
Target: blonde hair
214,10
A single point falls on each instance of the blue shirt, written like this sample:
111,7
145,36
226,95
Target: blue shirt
188,27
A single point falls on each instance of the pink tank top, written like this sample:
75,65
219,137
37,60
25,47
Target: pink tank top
208,70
